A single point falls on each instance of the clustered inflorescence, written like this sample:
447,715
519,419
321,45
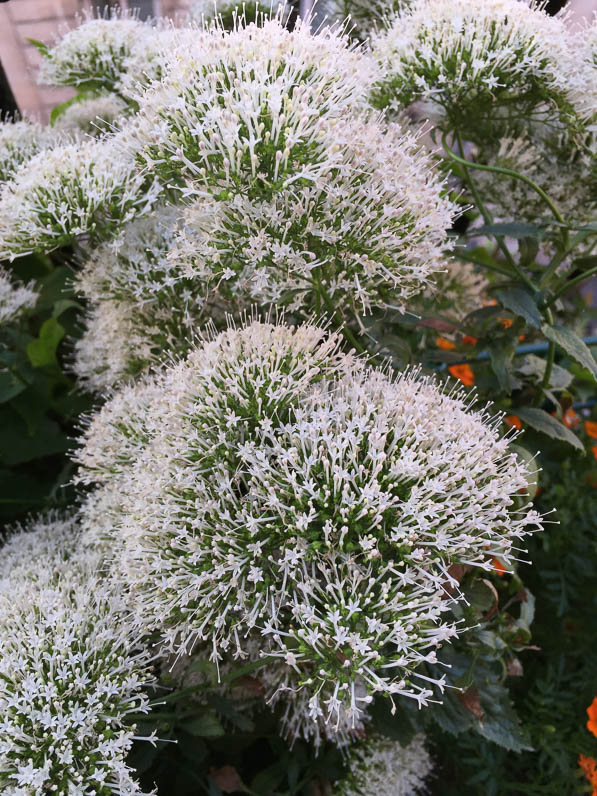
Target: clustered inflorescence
256,491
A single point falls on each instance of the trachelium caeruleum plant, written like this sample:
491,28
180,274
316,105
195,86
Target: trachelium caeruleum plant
275,256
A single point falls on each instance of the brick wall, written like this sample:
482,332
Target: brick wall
42,20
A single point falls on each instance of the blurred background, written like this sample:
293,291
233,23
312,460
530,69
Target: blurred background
42,20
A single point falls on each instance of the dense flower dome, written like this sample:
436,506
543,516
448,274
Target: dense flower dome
285,490
479,63
70,670
386,768
72,190
19,142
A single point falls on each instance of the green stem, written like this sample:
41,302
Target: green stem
469,258
509,173
570,284
342,328
551,355
483,210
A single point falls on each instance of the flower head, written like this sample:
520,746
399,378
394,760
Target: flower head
94,54
19,142
70,191
288,492
479,63
15,297
387,768
70,670
94,116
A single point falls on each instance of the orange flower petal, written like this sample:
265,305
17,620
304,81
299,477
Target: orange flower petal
447,345
570,418
592,710
513,421
468,340
499,567
463,373
591,428
594,449
506,322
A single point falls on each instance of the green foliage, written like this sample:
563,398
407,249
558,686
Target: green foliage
39,404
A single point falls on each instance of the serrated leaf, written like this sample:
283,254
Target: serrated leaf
42,351
520,302
512,229
572,344
548,425
533,365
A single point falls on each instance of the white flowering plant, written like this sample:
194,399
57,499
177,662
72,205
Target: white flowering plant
249,274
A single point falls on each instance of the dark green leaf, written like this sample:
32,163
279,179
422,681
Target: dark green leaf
548,425
584,263
397,726
501,362
43,350
520,302
205,726
572,345
10,386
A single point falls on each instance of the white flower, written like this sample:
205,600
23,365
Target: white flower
565,169
19,142
15,298
94,116
245,108
473,60
70,669
369,230
95,53
384,767
289,492
70,191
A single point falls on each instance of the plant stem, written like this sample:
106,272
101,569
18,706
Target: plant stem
342,328
509,173
551,354
483,210
469,258
570,284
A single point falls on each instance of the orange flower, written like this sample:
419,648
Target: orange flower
499,567
589,766
594,449
570,418
463,373
506,322
591,428
592,714
468,340
522,336
514,421
447,345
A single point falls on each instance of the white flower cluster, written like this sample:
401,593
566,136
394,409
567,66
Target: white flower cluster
561,168
141,308
72,190
70,670
270,486
386,768
19,142
15,298
369,229
94,116
94,55
481,63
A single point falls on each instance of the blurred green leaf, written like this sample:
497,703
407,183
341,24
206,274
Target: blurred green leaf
546,424
572,344
43,350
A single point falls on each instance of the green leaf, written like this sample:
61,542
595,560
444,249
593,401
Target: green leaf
533,365
520,302
512,229
584,263
43,350
571,343
398,727
39,46
10,386
500,723
548,425
205,726
501,360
